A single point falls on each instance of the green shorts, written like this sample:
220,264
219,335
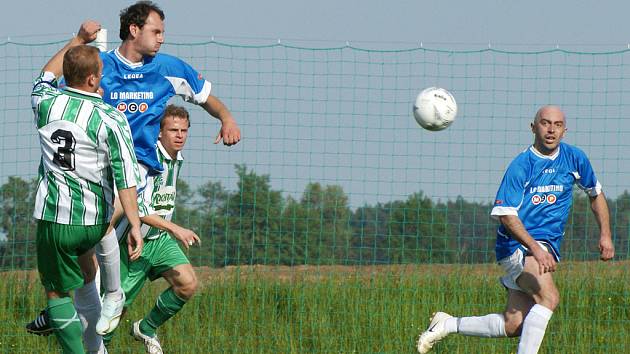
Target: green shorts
158,255
58,249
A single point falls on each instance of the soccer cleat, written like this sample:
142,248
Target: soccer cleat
110,314
434,334
40,325
151,344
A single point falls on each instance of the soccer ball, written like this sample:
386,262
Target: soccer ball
435,108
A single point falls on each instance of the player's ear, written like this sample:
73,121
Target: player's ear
133,30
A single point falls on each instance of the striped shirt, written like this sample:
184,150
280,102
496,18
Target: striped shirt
87,151
157,194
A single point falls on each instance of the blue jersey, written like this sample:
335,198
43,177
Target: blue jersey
539,190
142,90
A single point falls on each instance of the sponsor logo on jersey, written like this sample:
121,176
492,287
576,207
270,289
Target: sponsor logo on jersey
164,200
133,107
142,107
125,95
498,202
547,189
132,76
121,107
542,198
199,76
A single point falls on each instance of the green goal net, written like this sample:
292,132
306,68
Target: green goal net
338,224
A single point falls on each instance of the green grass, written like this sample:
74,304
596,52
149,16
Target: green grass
347,310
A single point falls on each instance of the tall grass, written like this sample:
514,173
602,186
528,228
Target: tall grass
347,310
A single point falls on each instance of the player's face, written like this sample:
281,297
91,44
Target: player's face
150,37
548,129
173,134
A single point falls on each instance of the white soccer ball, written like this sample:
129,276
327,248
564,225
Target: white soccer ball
435,108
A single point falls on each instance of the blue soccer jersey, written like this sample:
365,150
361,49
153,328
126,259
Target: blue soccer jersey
539,190
142,90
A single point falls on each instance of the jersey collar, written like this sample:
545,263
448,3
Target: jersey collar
180,157
127,61
84,93
548,157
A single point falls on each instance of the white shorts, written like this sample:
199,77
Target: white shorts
513,266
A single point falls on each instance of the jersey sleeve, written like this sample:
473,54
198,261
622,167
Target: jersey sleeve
43,86
511,191
186,81
121,155
145,194
585,176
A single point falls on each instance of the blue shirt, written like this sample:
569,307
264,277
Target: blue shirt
142,90
539,190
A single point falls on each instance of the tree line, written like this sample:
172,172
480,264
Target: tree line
256,224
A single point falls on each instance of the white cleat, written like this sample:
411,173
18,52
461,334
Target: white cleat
434,333
110,314
151,344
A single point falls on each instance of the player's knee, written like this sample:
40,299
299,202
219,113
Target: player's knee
187,288
549,298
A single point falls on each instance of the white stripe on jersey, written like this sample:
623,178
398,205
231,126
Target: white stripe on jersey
56,111
84,114
63,214
90,213
182,88
42,188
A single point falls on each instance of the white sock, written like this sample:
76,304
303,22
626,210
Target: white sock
88,305
108,256
489,326
534,328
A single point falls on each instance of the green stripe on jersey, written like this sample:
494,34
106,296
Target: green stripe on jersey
94,126
77,209
71,112
52,199
44,112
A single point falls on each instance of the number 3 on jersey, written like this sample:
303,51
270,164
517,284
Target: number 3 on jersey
64,157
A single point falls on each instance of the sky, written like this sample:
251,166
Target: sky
499,22
344,116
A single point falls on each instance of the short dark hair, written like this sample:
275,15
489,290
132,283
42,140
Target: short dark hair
137,14
80,62
175,111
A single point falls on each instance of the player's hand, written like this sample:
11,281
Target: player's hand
606,248
134,243
185,236
88,30
546,262
230,133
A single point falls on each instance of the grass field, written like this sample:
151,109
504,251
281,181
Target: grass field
337,309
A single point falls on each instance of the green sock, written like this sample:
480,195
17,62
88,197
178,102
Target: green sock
167,305
68,329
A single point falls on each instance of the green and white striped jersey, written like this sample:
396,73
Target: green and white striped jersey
156,193
87,150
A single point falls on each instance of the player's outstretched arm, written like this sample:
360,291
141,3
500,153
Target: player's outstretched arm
546,262
602,215
230,133
87,33
129,203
